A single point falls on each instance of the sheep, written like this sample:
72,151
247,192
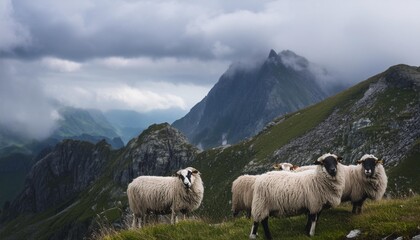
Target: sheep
305,168
365,180
182,192
289,193
243,189
285,166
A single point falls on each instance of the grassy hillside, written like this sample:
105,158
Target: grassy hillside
386,218
220,167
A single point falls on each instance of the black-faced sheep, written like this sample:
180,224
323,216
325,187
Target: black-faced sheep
365,180
162,195
243,189
288,193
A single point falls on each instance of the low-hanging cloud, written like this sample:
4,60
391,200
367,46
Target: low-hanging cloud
25,109
111,96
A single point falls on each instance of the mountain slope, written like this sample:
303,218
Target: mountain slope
247,97
17,153
76,182
380,115
88,125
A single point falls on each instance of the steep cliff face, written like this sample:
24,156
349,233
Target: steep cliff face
157,151
76,182
70,168
384,121
247,97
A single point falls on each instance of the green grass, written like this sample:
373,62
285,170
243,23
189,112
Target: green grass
406,175
380,219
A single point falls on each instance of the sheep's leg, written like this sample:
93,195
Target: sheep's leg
267,233
143,220
134,224
173,217
235,213
357,206
311,224
248,214
254,229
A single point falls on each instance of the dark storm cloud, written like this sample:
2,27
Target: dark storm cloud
157,54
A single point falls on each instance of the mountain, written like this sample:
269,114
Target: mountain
380,116
247,97
18,153
77,181
130,124
77,187
89,125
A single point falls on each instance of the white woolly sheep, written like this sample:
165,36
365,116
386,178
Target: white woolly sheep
287,193
243,189
365,180
162,195
285,166
305,168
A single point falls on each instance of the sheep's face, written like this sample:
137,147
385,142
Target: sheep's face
285,166
329,162
187,176
369,163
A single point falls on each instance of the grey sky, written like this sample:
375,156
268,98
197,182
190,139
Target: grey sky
148,55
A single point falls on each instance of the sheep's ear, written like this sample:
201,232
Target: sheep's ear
359,161
380,161
339,158
177,174
295,167
194,171
319,161
276,166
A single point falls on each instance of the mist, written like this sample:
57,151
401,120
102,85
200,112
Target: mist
25,109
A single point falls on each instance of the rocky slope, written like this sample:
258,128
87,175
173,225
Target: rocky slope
247,97
380,116
78,181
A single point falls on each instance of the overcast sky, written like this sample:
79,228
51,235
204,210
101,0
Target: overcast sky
151,55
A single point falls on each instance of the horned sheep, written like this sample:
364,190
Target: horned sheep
365,180
162,195
286,193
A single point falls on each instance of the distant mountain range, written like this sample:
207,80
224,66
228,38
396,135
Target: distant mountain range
18,153
85,183
129,124
248,96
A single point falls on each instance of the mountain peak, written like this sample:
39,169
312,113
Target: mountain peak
272,54
403,76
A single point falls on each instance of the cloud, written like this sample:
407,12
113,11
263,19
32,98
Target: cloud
168,54
115,96
13,34
25,109
61,65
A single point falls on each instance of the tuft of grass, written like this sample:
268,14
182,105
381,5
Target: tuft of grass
398,217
